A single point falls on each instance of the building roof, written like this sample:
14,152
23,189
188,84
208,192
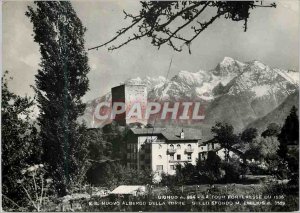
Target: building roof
235,150
147,131
207,141
171,134
241,148
129,85
127,189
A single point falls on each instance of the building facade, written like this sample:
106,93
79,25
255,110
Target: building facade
161,149
206,146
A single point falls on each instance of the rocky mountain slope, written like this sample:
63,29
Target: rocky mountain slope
279,114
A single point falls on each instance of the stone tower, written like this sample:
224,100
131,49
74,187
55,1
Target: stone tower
130,95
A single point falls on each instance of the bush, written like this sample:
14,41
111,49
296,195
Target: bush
256,170
233,170
205,172
113,174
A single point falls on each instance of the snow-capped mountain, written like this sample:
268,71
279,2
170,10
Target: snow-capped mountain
234,91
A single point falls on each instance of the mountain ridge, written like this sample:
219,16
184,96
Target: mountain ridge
252,88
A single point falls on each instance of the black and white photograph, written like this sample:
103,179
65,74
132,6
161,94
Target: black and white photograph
150,106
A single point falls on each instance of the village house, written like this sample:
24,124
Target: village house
206,146
236,151
161,149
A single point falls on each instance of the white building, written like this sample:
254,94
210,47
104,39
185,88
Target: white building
161,149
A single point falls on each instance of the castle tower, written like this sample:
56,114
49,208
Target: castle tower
130,95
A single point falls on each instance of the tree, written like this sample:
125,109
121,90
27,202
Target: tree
233,170
224,135
99,148
213,166
208,171
178,23
273,129
289,134
263,148
60,84
248,135
185,174
20,146
115,135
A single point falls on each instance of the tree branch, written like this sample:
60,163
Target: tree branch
155,12
184,25
118,34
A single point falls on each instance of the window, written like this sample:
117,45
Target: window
178,157
171,157
172,146
159,167
149,140
159,157
178,146
172,167
189,157
213,145
201,147
189,146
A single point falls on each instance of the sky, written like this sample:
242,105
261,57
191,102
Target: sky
272,38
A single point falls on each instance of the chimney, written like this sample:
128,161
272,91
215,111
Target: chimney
182,134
